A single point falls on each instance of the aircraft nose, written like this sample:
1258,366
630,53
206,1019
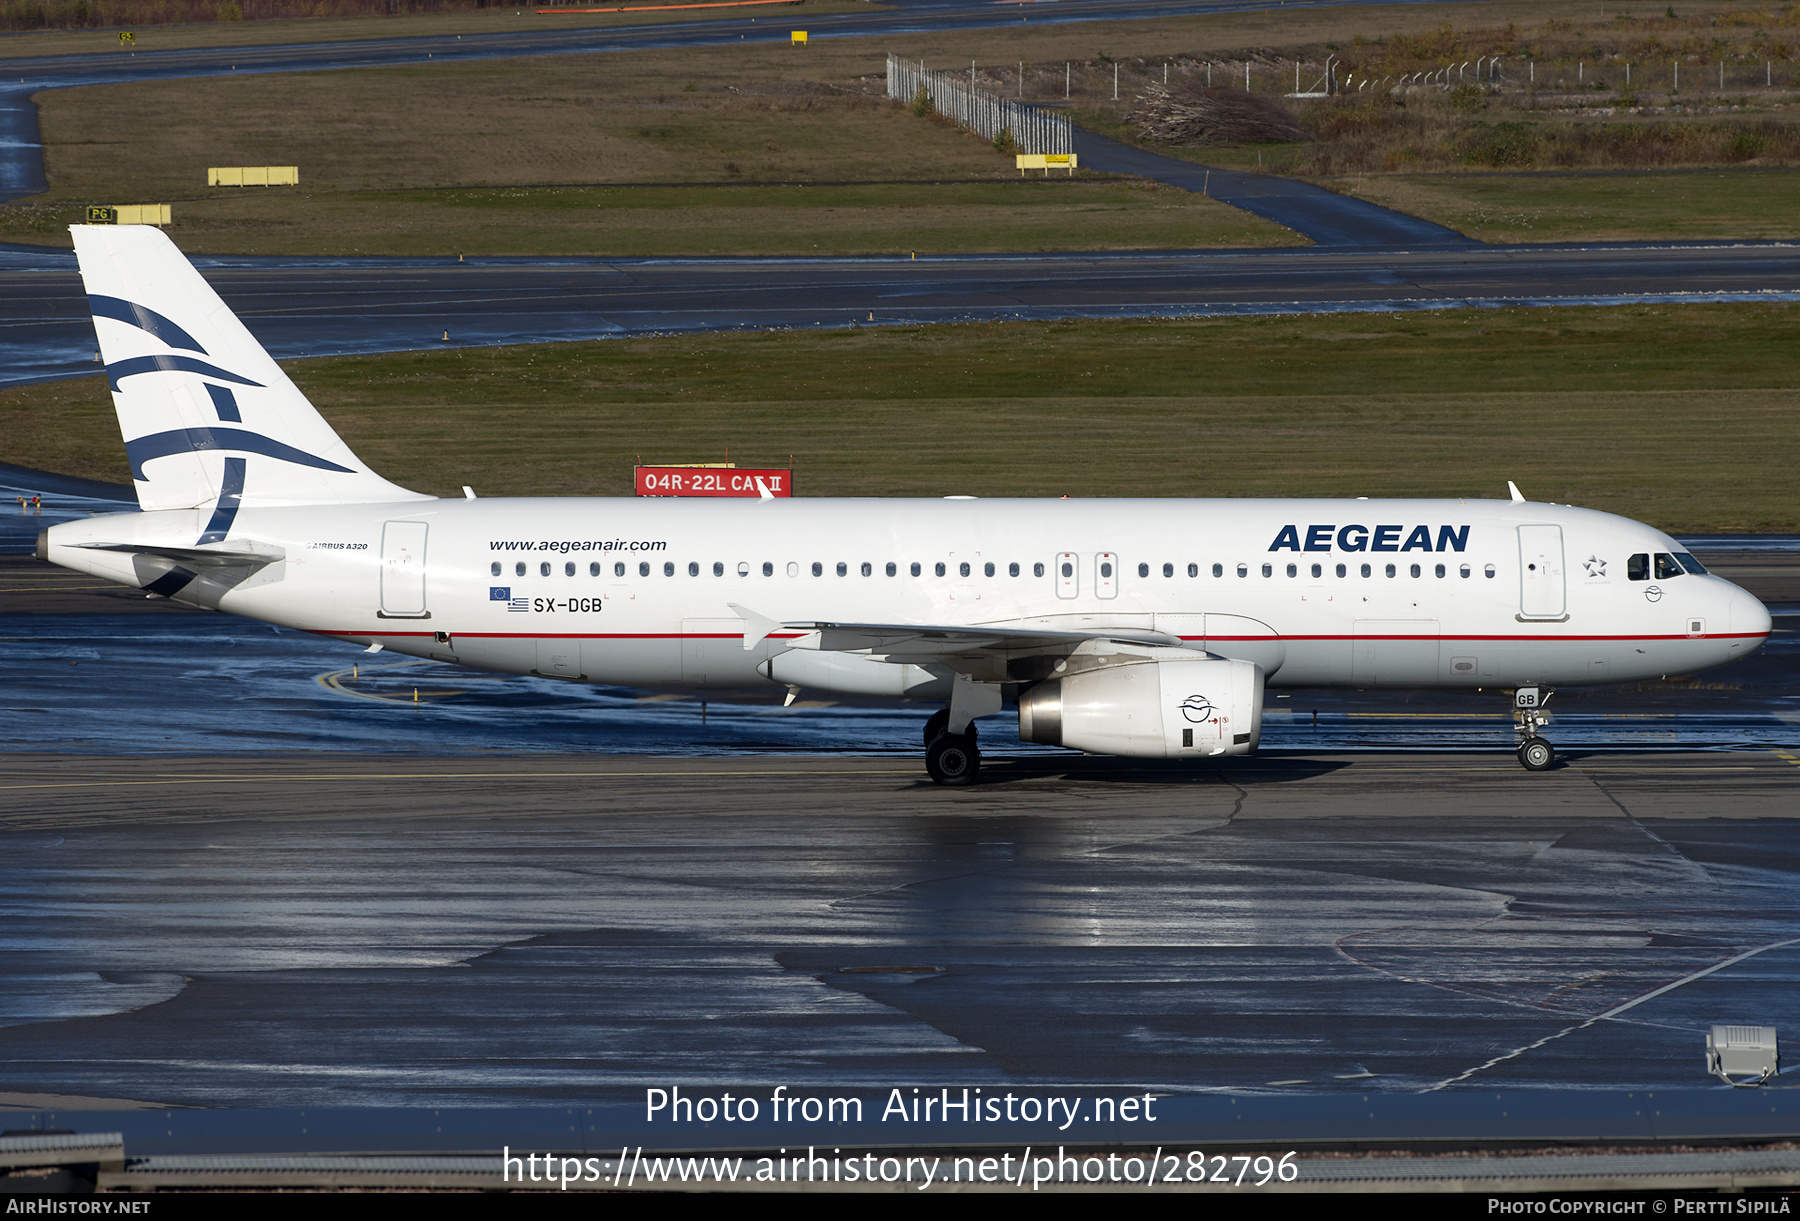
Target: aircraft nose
1749,615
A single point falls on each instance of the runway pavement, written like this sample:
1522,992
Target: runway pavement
317,307
468,931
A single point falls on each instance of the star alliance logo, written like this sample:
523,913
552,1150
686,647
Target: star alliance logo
1596,567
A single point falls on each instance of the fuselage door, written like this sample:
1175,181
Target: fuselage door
1542,594
1106,575
1068,574
403,570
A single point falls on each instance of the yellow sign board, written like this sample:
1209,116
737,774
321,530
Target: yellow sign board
253,176
126,37
1045,161
799,38
130,214
142,214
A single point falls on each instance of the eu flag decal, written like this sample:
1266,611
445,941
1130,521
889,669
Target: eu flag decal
499,593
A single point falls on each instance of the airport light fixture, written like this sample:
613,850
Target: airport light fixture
1742,1055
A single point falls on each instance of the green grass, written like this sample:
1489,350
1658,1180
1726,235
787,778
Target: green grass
1697,204
871,218
1677,415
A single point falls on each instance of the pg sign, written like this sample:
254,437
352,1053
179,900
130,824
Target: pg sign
713,481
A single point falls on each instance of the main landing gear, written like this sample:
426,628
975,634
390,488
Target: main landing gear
950,758
954,758
1535,753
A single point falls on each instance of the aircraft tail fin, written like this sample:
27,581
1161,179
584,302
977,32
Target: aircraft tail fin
209,418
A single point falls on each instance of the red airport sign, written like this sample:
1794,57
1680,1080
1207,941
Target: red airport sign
712,481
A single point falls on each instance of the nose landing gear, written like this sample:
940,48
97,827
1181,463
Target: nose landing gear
1535,753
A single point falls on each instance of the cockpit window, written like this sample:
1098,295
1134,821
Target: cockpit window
1690,563
1666,567
1638,566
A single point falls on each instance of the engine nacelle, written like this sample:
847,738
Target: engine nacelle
1163,709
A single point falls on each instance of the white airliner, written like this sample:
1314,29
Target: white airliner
1146,628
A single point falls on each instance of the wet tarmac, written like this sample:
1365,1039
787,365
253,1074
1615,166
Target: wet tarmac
398,930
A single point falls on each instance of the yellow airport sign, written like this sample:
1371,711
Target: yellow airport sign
798,38
253,176
129,214
1046,162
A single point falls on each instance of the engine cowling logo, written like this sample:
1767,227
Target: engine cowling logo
1197,708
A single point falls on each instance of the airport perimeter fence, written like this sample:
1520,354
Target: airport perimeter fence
1032,130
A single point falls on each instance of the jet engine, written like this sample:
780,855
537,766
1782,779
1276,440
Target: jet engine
1163,707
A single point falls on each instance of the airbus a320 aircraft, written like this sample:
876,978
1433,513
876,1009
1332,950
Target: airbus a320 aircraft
1146,628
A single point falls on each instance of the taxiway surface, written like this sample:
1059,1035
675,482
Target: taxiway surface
320,307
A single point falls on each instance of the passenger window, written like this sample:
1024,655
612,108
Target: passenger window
1143,570
1193,570
868,569
1318,570
569,569
1488,572
1690,563
768,569
668,568
1637,568
988,569
1068,570
494,568
743,568
893,569
519,569
718,568
1391,570
1293,570
1218,570
962,569
793,568
843,569
939,568
1243,570
544,570
818,569
1106,571
644,568
1365,570
915,568
1341,570
693,568
1012,570
1268,570
1037,570
1415,570
1440,572
1666,567
1463,572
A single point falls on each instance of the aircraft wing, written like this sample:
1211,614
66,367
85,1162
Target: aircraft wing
912,641
990,652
